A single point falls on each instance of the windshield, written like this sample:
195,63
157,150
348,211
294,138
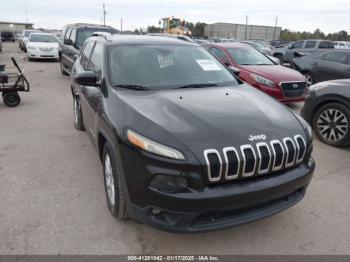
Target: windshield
43,38
85,33
166,67
27,33
249,56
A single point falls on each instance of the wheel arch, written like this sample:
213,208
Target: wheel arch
335,99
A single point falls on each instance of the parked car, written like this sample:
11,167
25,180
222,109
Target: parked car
72,39
341,45
42,46
287,54
7,36
259,47
258,70
224,40
324,65
180,37
279,43
0,44
22,42
327,109
201,41
185,145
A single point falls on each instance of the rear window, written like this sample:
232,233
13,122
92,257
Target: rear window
6,34
326,44
85,33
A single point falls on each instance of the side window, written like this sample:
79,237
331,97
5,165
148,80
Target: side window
85,55
310,44
64,32
342,44
67,35
326,44
336,57
298,44
219,54
96,58
73,35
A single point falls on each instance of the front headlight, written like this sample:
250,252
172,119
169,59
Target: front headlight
262,80
315,87
153,147
31,47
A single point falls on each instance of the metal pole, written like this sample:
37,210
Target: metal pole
26,10
104,14
274,31
246,25
121,25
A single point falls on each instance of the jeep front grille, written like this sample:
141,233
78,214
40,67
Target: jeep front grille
253,160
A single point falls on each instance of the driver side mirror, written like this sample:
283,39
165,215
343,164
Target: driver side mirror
290,46
88,78
68,41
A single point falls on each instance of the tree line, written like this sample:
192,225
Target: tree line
289,35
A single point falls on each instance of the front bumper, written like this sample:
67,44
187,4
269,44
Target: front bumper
278,94
38,54
225,205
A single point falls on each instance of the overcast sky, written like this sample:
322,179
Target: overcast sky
329,16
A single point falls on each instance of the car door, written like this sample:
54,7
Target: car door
93,95
85,92
72,51
65,48
332,65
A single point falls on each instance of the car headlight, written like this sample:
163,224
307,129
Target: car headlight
153,147
315,87
31,47
262,80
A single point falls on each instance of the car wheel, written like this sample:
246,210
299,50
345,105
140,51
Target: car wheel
78,114
113,186
280,57
62,69
309,78
331,124
11,99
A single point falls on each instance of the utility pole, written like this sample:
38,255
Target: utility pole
274,31
246,27
26,10
104,14
121,25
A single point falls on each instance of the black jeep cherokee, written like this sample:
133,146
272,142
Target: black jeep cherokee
73,37
185,146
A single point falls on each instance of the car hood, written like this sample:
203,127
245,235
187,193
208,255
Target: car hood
209,118
43,44
275,73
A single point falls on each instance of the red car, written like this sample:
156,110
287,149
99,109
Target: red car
260,71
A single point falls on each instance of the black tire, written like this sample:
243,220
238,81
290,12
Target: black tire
11,99
335,132
309,78
30,59
280,57
62,68
118,207
78,114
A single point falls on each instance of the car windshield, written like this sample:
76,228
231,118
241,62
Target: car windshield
249,56
27,33
85,33
42,38
348,44
166,67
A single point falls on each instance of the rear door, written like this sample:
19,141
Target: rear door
65,49
72,51
332,65
295,47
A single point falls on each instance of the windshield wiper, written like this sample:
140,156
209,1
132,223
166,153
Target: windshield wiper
197,85
133,87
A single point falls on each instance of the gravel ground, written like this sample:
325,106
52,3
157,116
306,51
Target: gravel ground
52,197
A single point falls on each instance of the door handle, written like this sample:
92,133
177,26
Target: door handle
315,63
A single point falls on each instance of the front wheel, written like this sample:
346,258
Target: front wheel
331,124
116,200
11,99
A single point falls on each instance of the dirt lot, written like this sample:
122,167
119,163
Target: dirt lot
52,197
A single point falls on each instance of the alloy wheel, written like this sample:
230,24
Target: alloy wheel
309,80
332,125
109,180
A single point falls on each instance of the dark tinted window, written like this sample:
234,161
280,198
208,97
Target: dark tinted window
310,44
84,59
96,58
326,44
73,35
219,54
67,35
298,44
336,57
